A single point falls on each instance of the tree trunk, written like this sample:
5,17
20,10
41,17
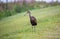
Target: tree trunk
6,4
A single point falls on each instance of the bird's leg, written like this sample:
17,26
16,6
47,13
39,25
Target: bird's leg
33,28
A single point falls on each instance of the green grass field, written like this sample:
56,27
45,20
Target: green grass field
19,27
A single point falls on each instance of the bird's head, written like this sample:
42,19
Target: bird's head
28,12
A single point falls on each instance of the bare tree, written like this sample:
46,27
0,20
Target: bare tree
57,0
6,4
0,0
41,0
14,1
52,1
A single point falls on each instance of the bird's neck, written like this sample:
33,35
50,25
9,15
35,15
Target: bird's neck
29,14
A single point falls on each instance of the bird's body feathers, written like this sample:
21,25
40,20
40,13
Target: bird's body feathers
33,21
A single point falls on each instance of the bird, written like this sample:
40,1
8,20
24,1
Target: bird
33,20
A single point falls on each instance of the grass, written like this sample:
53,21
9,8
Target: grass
19,27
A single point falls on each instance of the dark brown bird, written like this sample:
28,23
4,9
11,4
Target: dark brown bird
33,20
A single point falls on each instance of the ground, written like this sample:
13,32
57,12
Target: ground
19,27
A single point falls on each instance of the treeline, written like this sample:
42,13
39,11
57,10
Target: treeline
9,9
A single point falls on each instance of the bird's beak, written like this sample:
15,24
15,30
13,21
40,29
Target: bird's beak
25,14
